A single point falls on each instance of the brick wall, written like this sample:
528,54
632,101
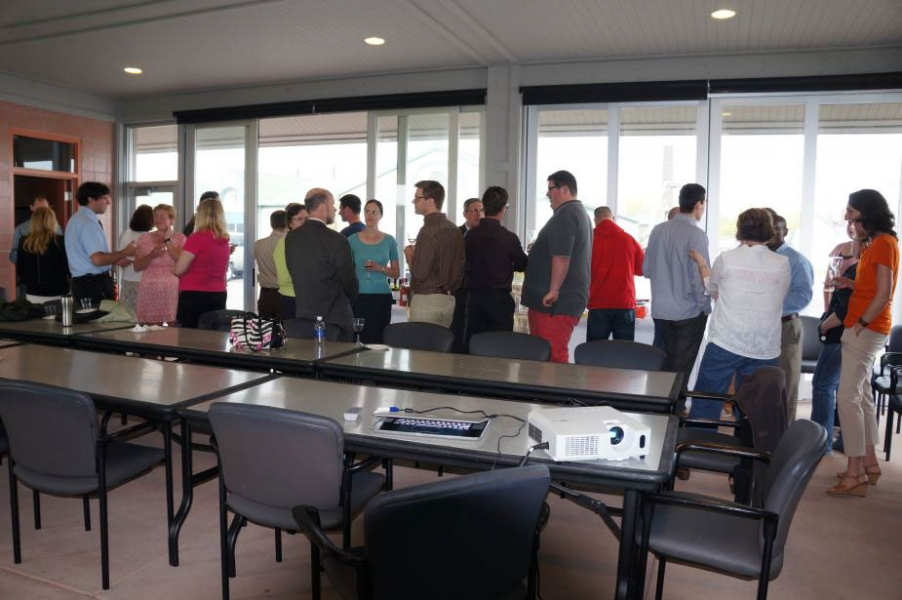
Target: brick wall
97,152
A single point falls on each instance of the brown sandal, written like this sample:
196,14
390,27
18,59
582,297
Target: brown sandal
849,485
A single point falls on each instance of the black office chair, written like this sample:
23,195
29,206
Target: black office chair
732,538
302,329
881,384
509,344
811,343
272,459
56,447
219,320
419,336
474,536
620,354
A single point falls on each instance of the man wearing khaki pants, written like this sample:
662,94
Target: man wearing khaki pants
436,263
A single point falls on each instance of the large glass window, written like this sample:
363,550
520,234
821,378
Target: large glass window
761,165
656,158
576,141
155,153
858,146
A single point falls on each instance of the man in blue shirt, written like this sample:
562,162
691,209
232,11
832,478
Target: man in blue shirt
799,296
23,229
349,208
679,305
87,248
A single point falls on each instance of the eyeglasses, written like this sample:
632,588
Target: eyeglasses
415,198
476,210
554,187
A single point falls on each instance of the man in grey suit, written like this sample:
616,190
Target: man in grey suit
321,265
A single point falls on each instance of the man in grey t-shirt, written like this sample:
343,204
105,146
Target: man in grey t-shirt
556,287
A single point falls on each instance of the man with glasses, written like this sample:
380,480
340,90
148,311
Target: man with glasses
473,212
679,304
556,287
87,248
801,290
493,254
436,263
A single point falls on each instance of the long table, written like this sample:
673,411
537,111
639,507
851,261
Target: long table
213,347
634,477
150,389
515,379
46,331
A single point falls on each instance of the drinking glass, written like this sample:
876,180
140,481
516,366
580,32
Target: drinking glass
357,325
367,265
86,304
50,311
833,271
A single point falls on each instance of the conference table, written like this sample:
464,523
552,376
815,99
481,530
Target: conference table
48,331
298,357
626,389
150,389
504,443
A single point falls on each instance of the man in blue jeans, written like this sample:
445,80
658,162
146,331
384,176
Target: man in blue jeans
616,259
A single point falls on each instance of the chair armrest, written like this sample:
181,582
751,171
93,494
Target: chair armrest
733,424
715,505
890,358
307,518
365,465
715,448
707,396
129,432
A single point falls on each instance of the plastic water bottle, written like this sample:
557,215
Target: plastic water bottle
319,331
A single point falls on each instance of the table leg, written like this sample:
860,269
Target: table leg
175,525
627,545
167,449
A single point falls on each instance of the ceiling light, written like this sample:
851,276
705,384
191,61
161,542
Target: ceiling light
375,41
723,13
133,70
726,114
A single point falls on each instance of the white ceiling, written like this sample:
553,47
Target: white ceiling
187,45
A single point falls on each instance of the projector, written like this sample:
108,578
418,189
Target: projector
589,433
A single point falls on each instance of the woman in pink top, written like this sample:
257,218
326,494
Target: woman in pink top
201,267
158,251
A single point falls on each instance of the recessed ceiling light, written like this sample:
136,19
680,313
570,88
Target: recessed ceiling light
723,13
375,41
726,114
133,70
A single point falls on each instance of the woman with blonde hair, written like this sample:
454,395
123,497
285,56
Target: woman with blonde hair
157,253
41,264
201,265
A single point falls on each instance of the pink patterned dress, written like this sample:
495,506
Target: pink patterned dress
158,292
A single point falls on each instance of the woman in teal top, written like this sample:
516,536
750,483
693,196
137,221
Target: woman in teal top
376,260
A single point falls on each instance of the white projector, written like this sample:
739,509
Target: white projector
589,433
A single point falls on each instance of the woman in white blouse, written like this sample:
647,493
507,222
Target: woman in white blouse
748,284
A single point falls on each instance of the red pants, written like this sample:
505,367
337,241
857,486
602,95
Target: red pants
556,330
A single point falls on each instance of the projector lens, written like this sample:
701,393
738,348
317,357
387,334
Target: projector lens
616,434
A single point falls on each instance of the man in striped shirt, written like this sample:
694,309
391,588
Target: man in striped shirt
436,263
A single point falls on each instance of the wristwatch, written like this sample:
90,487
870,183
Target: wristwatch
862,322
167,240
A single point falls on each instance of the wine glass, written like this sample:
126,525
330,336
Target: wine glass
357,325
833,271
368,265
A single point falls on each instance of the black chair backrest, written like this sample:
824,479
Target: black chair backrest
219,320
302,329
467,537
52,431
509,344
620,354
894,343
278,457
791,467
811,338
4,443
419,336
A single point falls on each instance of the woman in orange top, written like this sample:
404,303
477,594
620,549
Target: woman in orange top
868,324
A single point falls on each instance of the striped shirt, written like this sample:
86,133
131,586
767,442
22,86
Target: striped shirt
438,261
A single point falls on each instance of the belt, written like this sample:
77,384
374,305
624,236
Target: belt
785,318
93,275
489,291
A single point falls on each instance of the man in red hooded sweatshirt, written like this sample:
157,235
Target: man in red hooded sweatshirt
616,259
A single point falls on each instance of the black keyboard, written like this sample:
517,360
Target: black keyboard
450,428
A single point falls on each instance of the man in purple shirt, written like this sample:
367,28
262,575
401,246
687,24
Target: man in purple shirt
493,254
